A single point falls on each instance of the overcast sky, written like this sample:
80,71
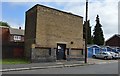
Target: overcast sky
14,12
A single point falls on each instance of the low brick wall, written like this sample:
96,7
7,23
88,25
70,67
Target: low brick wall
49,55
43,55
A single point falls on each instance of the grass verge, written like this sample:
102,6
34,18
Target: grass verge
14,61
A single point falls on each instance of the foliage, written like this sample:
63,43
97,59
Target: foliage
4,24
98,37
14,61
89,39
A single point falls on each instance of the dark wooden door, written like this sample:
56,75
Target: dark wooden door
61,48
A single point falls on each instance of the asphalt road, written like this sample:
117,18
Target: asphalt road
111,68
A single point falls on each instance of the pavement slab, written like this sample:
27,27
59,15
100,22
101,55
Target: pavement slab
19,67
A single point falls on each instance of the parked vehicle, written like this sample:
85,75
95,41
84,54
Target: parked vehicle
103,55
114,55
118,54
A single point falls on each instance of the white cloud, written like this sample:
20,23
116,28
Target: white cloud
0,12
42,0
58,0
107,10
14,25
27,4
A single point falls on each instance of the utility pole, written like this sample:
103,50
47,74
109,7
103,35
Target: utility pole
86,31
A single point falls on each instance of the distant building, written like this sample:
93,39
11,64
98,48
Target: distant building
113,41
93,49
12,42
51,35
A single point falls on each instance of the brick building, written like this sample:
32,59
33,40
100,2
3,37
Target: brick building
113,41
12,42
51,35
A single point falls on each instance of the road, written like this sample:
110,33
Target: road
110,68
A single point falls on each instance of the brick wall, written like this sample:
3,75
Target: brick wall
12,38
30,29
114,41
4,35
46,27
54,26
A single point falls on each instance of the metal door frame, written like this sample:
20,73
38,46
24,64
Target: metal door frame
64,57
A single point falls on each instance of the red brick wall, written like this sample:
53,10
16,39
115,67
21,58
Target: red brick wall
10,50
18,52
114,41
12,38
4,35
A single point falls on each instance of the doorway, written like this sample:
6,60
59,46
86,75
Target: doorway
60,52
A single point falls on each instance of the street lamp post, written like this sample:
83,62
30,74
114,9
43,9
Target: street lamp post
86,31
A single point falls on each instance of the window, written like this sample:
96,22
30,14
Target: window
67,51
50,52
17,37
104,53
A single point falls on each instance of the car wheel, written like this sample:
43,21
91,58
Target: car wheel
105,58
94,56
112,57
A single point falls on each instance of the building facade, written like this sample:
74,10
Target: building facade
113,41
51,35
93,49
12,42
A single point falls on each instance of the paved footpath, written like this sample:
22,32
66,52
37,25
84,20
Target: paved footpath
100,61
59,64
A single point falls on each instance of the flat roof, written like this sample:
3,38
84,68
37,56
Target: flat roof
54,9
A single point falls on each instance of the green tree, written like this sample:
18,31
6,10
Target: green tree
4,24
98,37
89,39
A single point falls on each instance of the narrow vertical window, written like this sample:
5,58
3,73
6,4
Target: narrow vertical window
50,52
67,51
